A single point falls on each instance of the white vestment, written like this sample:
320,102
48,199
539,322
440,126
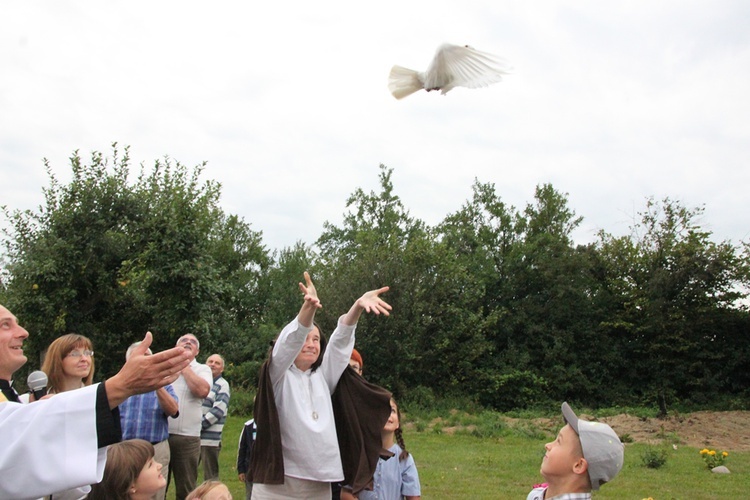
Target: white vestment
50,445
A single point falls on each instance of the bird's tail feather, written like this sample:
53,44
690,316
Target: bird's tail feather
403,82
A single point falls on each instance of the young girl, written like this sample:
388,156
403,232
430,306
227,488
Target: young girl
131,473
397,476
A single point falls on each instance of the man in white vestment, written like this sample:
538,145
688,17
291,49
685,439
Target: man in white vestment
60,443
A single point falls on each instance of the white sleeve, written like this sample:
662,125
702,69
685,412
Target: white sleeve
204,372
338,352
50,445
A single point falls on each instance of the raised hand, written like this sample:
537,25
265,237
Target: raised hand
143,373
372,303
309,292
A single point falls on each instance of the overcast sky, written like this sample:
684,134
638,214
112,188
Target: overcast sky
610,102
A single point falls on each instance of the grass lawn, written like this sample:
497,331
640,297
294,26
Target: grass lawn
464,466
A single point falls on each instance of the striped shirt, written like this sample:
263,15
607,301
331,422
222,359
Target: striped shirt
215,412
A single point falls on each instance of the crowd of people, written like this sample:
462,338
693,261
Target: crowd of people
319,430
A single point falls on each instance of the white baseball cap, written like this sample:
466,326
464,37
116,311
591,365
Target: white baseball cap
602,449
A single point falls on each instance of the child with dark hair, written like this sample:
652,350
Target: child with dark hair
395,477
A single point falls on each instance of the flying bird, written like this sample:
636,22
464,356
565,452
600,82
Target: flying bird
452,66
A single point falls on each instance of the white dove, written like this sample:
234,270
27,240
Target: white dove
452,66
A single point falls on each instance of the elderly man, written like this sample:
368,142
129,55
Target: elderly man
41,433
145,416
214,415
193,384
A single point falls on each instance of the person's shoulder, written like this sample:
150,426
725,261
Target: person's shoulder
537,493
202,367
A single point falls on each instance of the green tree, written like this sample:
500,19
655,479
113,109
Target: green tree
534,303
428,340
673,291
110,260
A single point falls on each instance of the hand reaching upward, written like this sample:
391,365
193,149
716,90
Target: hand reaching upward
372,303
311,301
309,292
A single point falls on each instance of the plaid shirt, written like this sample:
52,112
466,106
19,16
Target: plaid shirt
141,417
538,494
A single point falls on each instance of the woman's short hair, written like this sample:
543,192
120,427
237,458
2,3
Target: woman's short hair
125,461
57,351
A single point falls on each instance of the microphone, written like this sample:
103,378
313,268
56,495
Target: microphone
37,381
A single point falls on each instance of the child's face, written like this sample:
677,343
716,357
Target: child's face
393,422
562,454
150,480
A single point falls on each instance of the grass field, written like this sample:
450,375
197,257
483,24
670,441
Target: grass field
466,466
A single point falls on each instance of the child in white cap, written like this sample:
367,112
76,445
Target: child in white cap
584,456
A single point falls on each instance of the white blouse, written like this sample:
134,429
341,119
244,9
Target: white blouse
303,400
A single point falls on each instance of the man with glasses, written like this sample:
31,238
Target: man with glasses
193,384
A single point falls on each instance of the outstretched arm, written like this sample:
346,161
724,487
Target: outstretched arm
369,302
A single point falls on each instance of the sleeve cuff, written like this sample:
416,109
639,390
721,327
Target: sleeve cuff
108,430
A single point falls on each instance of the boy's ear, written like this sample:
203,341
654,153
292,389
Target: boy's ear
581,466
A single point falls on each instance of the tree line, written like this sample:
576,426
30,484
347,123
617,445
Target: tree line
494,304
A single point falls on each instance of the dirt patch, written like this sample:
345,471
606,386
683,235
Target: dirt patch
726,430
729,430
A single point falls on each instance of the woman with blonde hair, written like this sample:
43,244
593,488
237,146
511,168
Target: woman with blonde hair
69,363
131,473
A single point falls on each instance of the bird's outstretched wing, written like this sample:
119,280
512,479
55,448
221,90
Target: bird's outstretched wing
464,66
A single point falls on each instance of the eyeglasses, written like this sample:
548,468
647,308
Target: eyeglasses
188,340
78,354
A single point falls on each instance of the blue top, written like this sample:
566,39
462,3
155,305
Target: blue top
141,417
394,478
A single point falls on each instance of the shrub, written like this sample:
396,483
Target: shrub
241,402
653,457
